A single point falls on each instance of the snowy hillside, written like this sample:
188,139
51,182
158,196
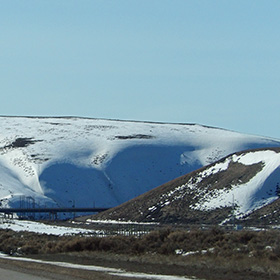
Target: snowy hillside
261,189
238,186
102,163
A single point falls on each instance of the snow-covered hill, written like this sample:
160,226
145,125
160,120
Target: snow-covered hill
244,186
86,162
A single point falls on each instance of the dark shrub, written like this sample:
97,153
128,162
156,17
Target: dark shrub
245,236
29,249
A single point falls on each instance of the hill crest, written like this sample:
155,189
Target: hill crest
85,162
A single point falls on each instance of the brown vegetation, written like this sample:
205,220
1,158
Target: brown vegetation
235,252
213,243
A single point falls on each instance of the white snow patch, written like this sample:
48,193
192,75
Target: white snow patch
21,225
119,222
218,167
260,190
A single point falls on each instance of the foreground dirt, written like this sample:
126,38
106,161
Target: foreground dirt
147,264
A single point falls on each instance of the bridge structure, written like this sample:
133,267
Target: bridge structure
52,211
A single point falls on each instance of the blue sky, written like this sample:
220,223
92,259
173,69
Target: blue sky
210,62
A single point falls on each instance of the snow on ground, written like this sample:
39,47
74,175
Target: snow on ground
31,226
118,222
103,163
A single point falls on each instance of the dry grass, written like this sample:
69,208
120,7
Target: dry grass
211,244
243,251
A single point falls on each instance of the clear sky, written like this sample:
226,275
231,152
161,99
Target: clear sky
210,62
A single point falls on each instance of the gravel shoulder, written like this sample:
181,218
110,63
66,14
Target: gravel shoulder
53,272
143,264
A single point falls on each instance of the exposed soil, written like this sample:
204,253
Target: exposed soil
134,136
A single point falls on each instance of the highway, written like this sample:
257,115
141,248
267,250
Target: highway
16,275
24,270
16,268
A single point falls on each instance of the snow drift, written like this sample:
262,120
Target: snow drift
103,163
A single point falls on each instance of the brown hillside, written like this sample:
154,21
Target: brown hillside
173,202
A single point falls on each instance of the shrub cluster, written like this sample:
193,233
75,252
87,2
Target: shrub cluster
214,242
